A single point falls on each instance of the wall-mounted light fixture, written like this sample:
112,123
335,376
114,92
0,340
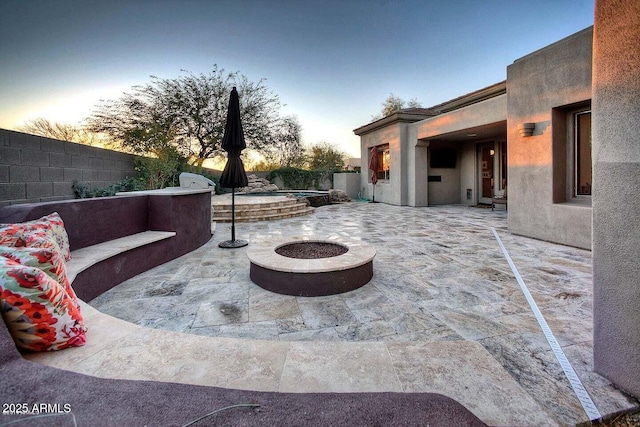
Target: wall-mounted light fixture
526,129
492,152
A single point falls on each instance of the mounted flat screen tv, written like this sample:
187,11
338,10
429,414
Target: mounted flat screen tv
443,158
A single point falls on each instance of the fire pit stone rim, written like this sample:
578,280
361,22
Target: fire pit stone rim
263,254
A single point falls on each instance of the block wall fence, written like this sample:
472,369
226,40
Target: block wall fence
38,169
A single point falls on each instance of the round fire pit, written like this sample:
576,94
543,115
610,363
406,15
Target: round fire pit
308,267
311,250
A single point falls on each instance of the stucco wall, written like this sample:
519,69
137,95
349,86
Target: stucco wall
482,113
389,191
556,76
455,182
447,190
348,182
36,169
616,200
468,174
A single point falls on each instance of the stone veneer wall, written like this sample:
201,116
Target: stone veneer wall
616,200
38,169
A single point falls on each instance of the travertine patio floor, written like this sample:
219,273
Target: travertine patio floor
443,311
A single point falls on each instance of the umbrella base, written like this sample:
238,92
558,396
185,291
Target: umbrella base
230,244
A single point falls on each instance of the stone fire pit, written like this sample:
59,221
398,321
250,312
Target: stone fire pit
310,266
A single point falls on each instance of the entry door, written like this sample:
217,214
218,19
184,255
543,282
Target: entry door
486,154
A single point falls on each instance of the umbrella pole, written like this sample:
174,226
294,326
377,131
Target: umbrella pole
233,243
233,214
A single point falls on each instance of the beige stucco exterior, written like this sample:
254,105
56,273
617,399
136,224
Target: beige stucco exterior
616,200
412,138
542,88
461,129
596,70
391,130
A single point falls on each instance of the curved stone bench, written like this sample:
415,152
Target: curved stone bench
105,226
85,258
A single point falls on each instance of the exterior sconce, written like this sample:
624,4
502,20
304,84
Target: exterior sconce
526,129
492,152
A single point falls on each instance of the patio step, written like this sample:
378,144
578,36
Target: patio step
246,212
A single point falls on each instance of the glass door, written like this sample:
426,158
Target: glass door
486,154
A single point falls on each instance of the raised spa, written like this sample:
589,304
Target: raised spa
311,267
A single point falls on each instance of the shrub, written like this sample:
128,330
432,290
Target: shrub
82,190
157,173
300,179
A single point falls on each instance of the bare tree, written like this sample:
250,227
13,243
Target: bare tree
286,148
187,113
414,103
393,104
62,131
325,156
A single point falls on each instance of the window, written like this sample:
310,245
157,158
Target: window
582,153
384,161
571,153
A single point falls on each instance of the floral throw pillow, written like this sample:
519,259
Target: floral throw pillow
43,253
52,224
38,312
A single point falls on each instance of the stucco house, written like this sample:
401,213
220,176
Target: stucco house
526,138
532,135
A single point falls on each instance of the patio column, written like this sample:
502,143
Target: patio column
417,170
616,196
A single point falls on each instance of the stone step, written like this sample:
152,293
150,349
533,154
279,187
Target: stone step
261,215
256,209
261,210
282,203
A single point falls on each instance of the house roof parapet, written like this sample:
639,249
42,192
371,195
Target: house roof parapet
474,97
407,115
557,43
411,115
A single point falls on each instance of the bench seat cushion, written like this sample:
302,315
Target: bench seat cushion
38,312
43,253
52,225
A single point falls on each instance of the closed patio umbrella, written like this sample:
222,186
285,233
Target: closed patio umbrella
373,166
234,175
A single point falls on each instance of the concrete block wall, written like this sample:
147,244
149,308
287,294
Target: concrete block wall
38,169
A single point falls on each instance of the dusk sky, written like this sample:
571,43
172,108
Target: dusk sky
332,63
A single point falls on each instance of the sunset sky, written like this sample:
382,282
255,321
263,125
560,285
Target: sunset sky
332,63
